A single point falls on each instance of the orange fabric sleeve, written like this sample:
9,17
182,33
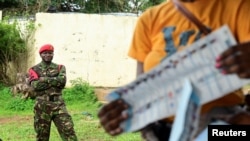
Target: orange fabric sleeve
141,43
242,26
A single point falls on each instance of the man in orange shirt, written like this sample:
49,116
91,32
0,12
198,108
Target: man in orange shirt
162,31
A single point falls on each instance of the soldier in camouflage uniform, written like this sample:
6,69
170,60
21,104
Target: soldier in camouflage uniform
48,79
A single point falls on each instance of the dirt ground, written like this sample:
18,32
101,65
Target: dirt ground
20,119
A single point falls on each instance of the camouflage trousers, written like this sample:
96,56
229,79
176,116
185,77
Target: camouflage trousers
45,112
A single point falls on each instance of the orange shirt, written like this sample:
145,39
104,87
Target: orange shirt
162,30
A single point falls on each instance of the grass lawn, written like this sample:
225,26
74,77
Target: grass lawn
18,126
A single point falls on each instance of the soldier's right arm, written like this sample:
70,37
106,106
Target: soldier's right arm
37,83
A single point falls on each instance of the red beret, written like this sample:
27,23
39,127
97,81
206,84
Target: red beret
46,47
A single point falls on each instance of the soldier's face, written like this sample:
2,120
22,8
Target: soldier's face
47,56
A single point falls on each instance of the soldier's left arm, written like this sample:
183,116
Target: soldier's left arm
60,80
36,82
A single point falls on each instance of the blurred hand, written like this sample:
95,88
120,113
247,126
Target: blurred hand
235,60
240,118
111,115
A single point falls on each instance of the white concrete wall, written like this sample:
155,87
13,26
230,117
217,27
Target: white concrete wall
93,47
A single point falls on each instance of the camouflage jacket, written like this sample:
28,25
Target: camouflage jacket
54,78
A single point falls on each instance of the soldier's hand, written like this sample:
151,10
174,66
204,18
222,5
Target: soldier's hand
43,79
111,116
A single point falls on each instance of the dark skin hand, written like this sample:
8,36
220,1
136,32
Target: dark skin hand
111,115
235,60
242,118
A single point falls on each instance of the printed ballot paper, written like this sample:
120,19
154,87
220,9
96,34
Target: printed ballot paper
155,95
187,115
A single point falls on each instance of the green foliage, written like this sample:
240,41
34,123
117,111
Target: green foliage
8,3
150,3
14,48
105,6
18,104
5,93
11,45
87,6
11,42
80,91
1,86
14,103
